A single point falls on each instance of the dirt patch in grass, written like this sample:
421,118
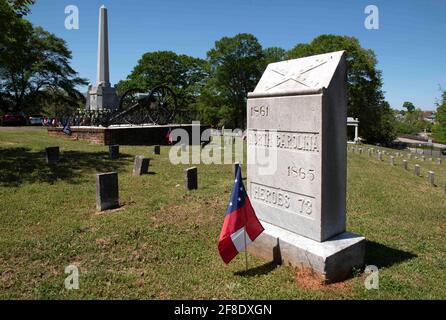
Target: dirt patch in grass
187,214
7,279
307,279
122,207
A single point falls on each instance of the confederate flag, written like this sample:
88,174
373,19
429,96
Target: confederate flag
168,137
241,225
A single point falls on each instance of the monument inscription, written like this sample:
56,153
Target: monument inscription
290,114
297,166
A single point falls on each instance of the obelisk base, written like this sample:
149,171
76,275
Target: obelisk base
333,259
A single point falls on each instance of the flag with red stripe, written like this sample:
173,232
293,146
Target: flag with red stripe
241,225
168,137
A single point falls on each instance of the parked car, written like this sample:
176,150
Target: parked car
14,119
443,152
36,120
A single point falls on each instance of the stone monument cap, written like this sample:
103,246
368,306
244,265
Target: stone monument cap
298,76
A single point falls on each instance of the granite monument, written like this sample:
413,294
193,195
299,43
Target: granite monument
297,112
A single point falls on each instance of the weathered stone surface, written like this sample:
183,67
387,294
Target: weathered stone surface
141,165
417,170
157,149
103,95
431,178
191,178
438,161
334,258
409,156
380,156
113,151
297,116
392,160
369,152
107,191
406,164
310,143
52,155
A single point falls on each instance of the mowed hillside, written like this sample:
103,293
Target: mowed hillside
162,241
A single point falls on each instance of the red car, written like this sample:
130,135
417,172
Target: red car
14,119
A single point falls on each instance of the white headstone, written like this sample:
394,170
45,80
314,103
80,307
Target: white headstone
405,164
417,170
297,116
431,178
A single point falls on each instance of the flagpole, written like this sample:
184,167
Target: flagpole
246,221
246,248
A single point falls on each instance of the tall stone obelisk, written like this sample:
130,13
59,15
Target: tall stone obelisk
103,64
102,96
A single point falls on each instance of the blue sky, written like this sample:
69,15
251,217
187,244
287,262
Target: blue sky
410,43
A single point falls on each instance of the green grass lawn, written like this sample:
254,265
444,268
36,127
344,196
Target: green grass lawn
162,243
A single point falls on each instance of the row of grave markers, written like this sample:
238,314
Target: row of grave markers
417,167
107,187
370,151
106,199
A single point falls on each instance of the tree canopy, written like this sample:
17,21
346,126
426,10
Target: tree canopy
439,129
273,54
215,90
409,106
185,74
412,122
365,96
33,61
236,64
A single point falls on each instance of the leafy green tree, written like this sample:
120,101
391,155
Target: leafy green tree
439,129
274,54
57,102
409,106
365,96
184,74
212,107
11,12
236,66
32,60
13,30
412,122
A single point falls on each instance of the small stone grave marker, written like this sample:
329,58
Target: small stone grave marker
52,155
141,165
107,193
113,151
191,178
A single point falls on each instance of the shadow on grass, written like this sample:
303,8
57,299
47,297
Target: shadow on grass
21,165
376,254
257,271
383,256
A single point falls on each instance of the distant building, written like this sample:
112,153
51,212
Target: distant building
429,116
353,122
